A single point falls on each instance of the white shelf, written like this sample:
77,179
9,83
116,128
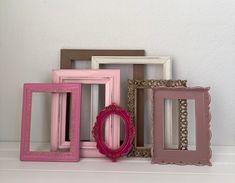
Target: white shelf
126,170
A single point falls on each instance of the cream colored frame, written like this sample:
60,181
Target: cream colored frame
165,61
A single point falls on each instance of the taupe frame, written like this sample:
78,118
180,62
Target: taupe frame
133,85
68,56
202,154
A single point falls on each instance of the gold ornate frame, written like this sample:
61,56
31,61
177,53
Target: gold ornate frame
133,85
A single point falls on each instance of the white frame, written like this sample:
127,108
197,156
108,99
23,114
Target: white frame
159,60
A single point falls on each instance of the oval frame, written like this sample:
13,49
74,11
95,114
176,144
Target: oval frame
126,146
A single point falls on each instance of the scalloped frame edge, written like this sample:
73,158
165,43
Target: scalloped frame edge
203,153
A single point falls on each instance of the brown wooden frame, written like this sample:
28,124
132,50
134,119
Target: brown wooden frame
67,56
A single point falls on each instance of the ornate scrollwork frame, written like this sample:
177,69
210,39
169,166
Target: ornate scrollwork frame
133,85
97,131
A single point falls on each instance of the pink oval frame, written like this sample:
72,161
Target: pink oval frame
113,154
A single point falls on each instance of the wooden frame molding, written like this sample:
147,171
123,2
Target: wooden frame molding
133,86
202,154
111,79
68,56
73,153
164,61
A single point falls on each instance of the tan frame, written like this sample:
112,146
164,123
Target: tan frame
133,85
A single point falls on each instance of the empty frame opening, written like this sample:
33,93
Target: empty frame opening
143,122
191,125
81,64
153,71
85,123
40,125
86,119
181,114
126,72
122,128
40,122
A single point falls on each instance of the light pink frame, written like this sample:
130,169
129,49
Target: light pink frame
202,154
73,154
111,79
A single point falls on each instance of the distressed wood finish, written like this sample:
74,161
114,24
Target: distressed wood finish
68,56
165,61
111,79
73,153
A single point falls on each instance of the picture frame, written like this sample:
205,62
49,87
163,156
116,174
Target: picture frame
74,153
202,154
69,56
164,61
111,79
129,129
133,86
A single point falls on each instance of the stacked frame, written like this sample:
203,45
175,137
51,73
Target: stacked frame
69,56
73,154
152,84
202,154
111,79
163,61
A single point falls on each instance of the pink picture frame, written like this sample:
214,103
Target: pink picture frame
73,154
111,79
202,154
97,132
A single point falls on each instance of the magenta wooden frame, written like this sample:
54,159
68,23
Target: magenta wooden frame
73,154
202,154
97,132
111,79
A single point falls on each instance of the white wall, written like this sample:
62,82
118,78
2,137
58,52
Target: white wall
198,34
